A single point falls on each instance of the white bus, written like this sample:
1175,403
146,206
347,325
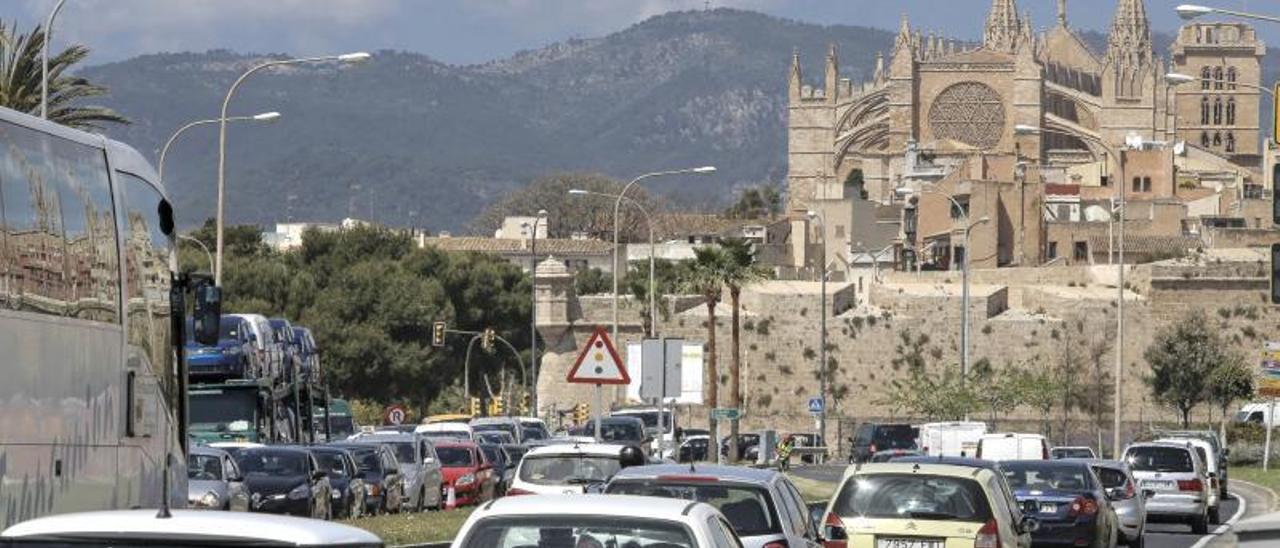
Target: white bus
88,385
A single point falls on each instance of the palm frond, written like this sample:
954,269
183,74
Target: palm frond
20,81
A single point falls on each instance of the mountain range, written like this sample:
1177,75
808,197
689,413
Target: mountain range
405,139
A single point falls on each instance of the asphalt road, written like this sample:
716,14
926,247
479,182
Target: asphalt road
1159,535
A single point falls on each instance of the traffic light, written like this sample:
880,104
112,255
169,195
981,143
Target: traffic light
496,407
486,339
475,407
437,334
524,405
581,413
1275,273
1275,196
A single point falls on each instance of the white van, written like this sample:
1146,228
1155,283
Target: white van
1011,446
951,439
269,354
1257,413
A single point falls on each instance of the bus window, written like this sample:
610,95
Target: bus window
88,224
33,223
147,251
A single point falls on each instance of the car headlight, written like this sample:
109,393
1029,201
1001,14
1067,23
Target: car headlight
465,480
210,500
300,492
336,494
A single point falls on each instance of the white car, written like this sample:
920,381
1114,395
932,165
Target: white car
1209,456
455,430
184,528
566,469
596,520
1010,446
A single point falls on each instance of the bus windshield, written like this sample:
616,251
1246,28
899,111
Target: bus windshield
223,410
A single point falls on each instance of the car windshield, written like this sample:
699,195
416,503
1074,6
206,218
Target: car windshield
529,433
625,431
331,462
494,437
404,452
913,496
367,459
1072,453
223,410
229,327
748,508
495,427
577,531
451,457
568,469
204,467
650,418
1159,459
1046,477
493,453
260,462
445,434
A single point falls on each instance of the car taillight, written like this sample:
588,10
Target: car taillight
1190,485
1129,491
1082,507
777,544
988,536
833,532
872,448
518,491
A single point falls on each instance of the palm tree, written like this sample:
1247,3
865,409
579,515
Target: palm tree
20,81
739,270
704,276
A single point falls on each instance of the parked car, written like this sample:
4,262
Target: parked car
1072,453
344,477
763,506
380,471
1013,446
504,467
693,449
871,437
1208,455
466,471
1128,500
913,504
285,480
232,357
1177,479
1070,503
419,465
510,425
595,521
183,528
565,469
214,481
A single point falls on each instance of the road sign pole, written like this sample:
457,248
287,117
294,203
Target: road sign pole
1266,446
596,411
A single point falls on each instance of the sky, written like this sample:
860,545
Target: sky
475,31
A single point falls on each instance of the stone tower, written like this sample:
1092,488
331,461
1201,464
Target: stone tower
1129,56
1220,110
1003,29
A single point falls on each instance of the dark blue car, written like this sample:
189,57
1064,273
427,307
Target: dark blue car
230,358
1067,499
305,346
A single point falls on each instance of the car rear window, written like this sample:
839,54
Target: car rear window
748,508
894,436
1159,459
1111,478
570,531
568,469
1044,476
455,456
913,496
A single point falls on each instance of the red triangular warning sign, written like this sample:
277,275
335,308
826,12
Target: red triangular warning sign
599,362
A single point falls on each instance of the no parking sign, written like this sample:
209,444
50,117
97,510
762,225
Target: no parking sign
394,415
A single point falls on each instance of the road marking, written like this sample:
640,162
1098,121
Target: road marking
1204,541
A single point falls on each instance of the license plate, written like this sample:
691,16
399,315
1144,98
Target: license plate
907,543
1158,484
1048,508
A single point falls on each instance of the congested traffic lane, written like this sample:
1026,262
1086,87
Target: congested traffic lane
1159,535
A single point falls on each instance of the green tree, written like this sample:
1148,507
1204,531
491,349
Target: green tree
1183,357
704,276
1000,390
20,77
567,213
740,270
758,202
1231,381
1036,388
590,281
666,281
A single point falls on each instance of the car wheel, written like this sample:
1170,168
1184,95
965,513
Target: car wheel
1200,525
1215,515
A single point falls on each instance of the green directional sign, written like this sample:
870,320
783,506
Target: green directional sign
726,413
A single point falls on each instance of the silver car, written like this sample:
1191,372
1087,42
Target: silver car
1177,479
214,482
184,528
1128,500
423,479
763,506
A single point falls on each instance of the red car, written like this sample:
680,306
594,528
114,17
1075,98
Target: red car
466,469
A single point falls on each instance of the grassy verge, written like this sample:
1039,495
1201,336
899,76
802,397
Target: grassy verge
814,490
1254,474
395,529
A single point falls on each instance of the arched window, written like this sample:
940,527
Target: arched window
1204,111
1231,142
1231,78
1204,139
1217,111
1146,184
1205,76
1199,35
1231,112
1137,184
1208,35
1217,139
1217,77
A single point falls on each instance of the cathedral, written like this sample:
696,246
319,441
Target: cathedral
1027,98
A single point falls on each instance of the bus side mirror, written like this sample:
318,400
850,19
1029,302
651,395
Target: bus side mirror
208,312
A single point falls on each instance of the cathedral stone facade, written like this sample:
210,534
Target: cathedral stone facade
934,104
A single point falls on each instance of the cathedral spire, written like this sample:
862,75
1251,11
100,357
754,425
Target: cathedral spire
904,33
1003,26
794,82
1062,13
1129,49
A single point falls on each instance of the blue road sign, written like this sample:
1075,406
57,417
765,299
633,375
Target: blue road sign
815,406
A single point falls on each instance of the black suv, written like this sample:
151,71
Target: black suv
871,437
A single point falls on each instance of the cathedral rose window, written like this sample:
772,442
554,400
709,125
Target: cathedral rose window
968,112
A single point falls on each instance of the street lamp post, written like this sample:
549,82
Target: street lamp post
533,304
199,243
222,131
164,152
964,275
1192,11
820,218
44,60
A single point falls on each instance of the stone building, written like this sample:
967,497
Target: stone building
934,107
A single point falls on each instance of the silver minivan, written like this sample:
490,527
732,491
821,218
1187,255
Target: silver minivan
1126,497
1177,479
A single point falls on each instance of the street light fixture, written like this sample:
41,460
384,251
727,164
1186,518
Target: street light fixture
1175,78
44,60
349,58
815,216
199,243
164,152
1192,11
